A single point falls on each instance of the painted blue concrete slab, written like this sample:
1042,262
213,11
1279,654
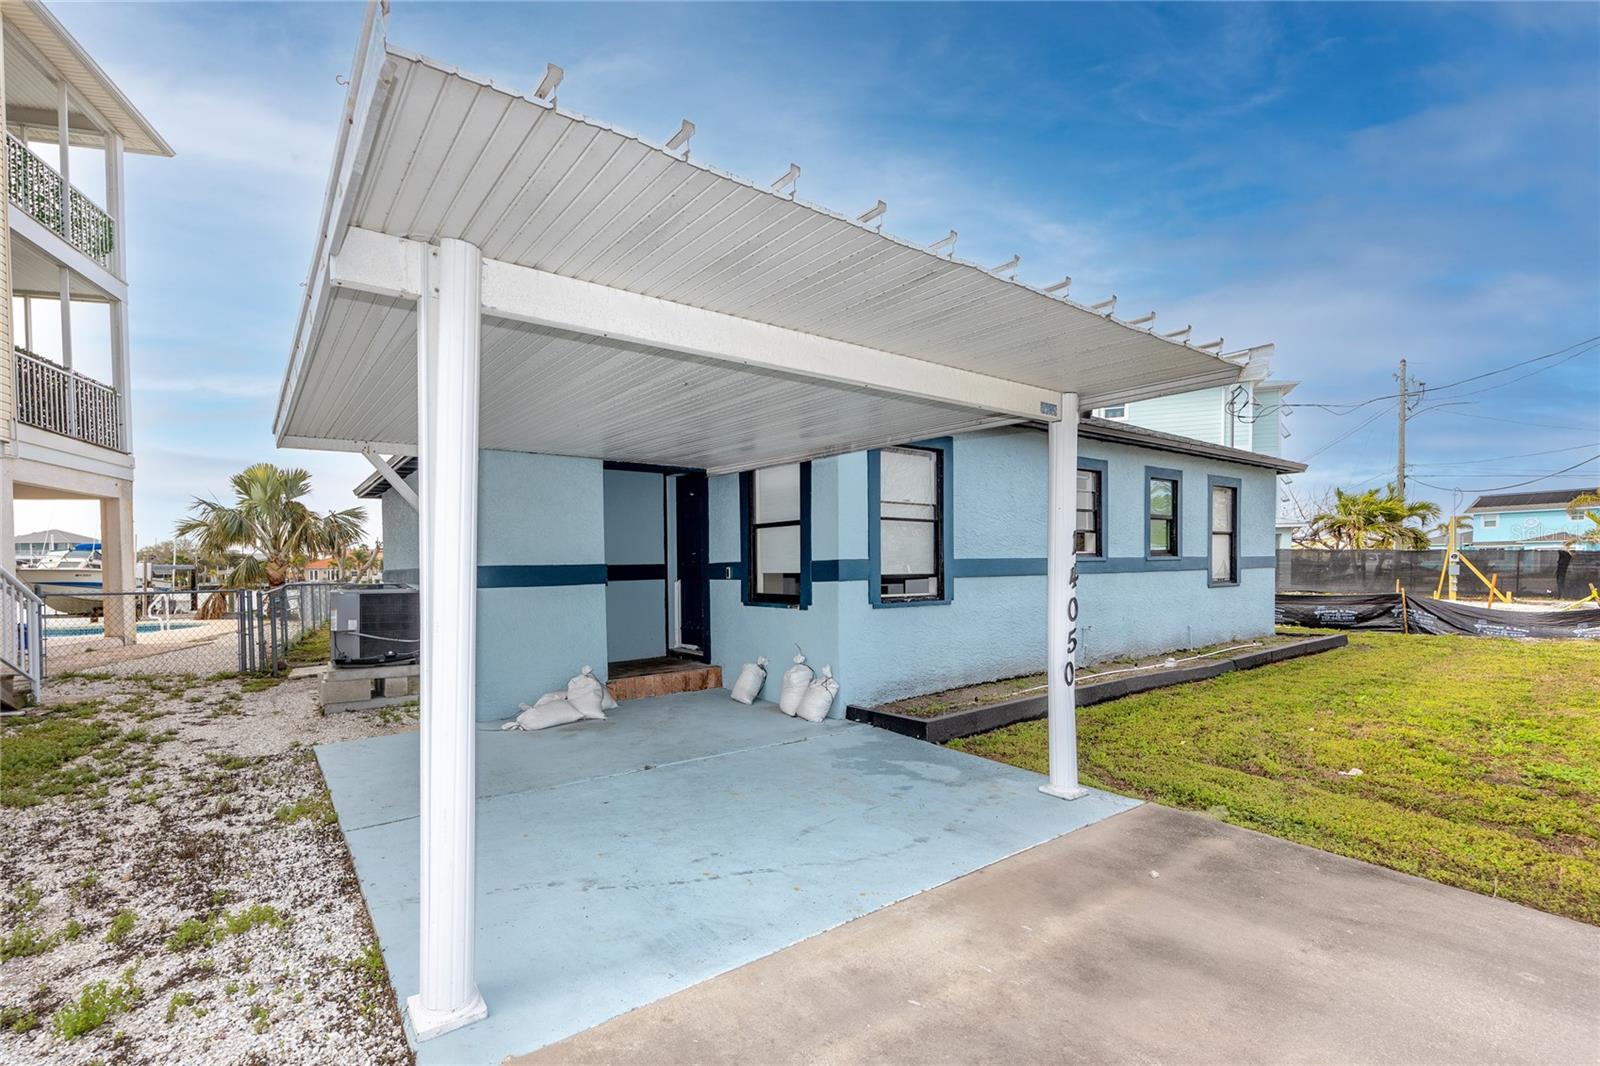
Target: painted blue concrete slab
603,886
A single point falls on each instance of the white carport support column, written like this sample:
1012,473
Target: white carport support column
448,339
1061,604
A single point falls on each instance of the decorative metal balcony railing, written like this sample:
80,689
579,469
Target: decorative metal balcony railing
36,188
67,402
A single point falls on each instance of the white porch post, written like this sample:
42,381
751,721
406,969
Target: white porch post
121,361
448,336
1061,604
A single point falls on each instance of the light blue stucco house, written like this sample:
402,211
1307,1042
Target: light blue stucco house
907,570
1529,520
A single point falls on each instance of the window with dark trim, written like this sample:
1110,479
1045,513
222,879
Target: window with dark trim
775,548
1224,534
1162,512
1090,536
911,524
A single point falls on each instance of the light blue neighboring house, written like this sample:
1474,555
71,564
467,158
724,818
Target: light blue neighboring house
907,570
1531,520
1252,414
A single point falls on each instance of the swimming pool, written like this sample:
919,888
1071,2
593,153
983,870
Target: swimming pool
100,630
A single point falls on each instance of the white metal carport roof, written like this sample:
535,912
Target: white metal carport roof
642,306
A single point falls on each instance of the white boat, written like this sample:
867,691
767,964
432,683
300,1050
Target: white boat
68,580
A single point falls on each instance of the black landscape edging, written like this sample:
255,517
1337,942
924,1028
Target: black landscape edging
982,719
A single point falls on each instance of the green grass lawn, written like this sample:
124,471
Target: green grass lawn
1479,759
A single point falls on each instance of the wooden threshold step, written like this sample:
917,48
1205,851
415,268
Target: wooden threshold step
693,679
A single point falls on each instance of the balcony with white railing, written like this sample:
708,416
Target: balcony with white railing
36,187
64,401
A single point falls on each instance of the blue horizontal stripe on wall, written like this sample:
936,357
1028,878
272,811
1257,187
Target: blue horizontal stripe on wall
503,577
838,569
636,571
1136,565
541,576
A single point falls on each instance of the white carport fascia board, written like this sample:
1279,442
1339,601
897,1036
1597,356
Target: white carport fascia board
1224,375
391,266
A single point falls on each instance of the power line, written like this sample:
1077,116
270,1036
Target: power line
1514,485
1498,458
1519,421
1588,344
1346,436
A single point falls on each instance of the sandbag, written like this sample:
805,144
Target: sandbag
586,693
546,713
795,680
751,678
818,698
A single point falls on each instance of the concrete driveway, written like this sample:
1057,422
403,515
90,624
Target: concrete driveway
1153,936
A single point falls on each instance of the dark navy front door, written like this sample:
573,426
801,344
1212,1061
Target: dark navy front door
694,577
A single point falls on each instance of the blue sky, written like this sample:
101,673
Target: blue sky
1355,183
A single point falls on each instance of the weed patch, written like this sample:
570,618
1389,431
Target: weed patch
97,1004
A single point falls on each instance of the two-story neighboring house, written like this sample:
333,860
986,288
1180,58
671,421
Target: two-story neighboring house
1250,415
1528,520
64,358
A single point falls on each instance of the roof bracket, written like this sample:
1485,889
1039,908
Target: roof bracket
395,481
876,212
790,178
1009,264
1106,306
547,87
1142,320
1211,346
1061,286
1179,334
681,138
943,243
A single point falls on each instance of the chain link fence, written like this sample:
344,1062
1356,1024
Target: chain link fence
1527,575
200,632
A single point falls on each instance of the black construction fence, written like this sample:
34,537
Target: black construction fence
1542,574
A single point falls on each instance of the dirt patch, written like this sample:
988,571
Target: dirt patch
968,696
179,891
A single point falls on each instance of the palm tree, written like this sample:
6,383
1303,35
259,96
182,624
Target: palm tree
1582,506
1374,520
268,525
360,560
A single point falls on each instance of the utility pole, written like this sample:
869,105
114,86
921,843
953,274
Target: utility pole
1400,466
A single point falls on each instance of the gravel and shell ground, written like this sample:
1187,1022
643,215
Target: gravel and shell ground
174,886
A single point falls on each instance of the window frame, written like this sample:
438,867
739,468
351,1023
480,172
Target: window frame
1233,483
1101,468
1491,521
1121,410
747,543
1158,473
944,531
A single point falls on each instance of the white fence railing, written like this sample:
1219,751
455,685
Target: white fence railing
21,629
65,401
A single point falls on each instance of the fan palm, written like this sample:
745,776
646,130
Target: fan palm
1584,506
1374,519
268,524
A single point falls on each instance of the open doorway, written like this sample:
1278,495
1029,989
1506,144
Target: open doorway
658,599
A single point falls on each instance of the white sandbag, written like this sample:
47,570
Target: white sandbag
751,678
795,680
818,698
586,693
544,714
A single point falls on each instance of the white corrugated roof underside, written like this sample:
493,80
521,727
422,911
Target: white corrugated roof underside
437,154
